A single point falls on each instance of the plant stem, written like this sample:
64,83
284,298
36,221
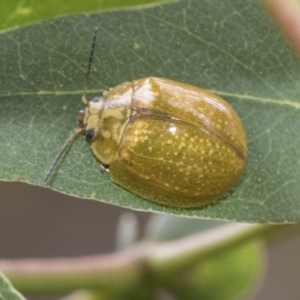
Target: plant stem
123,271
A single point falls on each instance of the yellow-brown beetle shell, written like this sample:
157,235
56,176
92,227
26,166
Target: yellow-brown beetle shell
168,142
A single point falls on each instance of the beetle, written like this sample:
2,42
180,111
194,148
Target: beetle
168,142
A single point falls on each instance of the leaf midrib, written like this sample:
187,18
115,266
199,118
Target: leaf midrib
292,103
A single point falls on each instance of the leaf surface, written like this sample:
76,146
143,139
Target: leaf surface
231,48
7,291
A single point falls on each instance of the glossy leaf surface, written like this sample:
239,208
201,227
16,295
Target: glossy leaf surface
231,48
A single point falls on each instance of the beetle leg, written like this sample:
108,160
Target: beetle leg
134,111
84,100
104,169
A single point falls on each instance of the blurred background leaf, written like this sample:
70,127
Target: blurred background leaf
228,273
17,13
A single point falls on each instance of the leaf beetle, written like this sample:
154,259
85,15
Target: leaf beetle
168,142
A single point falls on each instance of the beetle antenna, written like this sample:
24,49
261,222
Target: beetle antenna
61,152
87,77
74,134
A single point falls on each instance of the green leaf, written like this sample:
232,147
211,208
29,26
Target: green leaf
232,48
7,291
18,13
227,275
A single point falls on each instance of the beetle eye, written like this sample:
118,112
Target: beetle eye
89,134
95,99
